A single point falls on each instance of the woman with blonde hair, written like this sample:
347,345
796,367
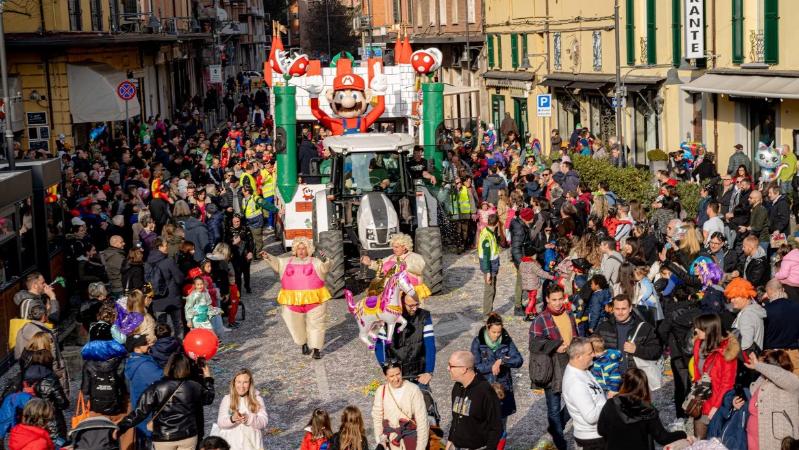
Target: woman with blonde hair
600,207
133,318
174,237
402,246
351,435
690,243
303,294
242,414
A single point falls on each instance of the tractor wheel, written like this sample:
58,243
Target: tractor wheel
331,243
428,245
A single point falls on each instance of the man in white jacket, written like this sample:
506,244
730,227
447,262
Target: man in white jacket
583,396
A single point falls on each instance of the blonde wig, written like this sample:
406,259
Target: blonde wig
302,241
403,240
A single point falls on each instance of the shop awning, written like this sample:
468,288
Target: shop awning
93,96
746,85
508,75
599,80
457,90
555,83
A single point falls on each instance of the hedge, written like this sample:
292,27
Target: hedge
632,184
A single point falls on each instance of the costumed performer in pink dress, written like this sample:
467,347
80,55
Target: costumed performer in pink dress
402,245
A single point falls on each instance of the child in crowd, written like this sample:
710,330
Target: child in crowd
531,275
606,369
165,345
600,299
318,431
486,210
199,308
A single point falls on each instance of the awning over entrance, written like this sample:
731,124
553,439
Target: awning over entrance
746,85
93,96
456,90
598,81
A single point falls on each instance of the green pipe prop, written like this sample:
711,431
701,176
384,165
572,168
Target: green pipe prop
433,123
286,140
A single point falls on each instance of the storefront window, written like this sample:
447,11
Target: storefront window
646,126
568,114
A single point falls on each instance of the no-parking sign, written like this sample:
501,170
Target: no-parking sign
126,90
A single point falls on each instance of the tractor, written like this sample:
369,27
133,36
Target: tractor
368,197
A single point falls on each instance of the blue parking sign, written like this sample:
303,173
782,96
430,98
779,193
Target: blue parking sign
544,105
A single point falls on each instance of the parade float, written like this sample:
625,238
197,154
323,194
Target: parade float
368,195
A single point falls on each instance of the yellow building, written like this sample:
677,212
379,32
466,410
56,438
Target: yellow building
67,57
691,70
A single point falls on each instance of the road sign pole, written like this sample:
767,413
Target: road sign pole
127,123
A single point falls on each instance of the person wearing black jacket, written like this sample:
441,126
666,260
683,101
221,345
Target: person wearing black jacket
617,331
739,204
476,416
779,215
239,238
520,238
629,420
175,403
167,272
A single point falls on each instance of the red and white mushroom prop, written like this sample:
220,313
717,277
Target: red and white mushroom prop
426,61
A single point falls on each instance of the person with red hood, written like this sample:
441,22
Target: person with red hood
30,433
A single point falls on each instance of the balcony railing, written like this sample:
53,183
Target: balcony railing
757,47
150,24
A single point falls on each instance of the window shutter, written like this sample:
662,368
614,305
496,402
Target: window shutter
490,50
771,31
499,51
630,25
676,33
514,50
737,31
651,32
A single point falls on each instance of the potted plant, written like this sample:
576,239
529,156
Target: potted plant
658,159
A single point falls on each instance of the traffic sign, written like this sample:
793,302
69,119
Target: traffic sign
615,103
215,73
126,90
544,105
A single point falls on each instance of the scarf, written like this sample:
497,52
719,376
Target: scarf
493,345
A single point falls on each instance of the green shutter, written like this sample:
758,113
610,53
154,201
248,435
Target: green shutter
651,32
630,20
514,50
771,31
499,51
737,31
676,33
490,50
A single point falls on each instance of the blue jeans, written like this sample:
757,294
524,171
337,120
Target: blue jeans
557,416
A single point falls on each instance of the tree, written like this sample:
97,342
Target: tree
276,9
341,35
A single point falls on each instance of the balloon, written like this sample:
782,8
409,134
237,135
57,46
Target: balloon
200,343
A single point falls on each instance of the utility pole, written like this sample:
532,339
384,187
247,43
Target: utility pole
619,95
9,135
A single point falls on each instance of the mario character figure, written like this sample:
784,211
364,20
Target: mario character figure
349,99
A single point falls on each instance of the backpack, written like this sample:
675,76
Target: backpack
104,392
155,277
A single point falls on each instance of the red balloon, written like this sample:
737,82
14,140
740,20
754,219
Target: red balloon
200,343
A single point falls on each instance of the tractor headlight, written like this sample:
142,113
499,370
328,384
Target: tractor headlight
370,234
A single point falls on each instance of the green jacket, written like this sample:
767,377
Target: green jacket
758,222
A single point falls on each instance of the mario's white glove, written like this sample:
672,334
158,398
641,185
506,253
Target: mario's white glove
315,86
378,83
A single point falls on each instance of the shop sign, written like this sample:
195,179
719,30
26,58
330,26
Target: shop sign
694,29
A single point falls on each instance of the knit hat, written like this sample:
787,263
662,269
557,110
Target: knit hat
527,214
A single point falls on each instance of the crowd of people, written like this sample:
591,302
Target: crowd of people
162,232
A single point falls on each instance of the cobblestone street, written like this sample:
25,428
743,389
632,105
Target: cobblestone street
293,385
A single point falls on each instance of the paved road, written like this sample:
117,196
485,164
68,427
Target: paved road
293,385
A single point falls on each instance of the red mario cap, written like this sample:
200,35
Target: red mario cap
348,81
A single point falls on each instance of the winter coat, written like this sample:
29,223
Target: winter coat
311,443
178,417
484,359
729,424
545,339
164,348
215,223
132,276
103,358
777,405
112,259
568,181
246,436
626,423
750,325
721,365
779,216
519,238
197,233
491,187
141,372
737,159
173,276
789,269
756,268
647,344
759,223
46,386
29,437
